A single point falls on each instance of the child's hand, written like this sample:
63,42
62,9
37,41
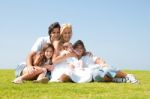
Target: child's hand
72,67
72,54
50,67
103,65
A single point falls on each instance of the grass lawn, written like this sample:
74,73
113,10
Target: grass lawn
29,90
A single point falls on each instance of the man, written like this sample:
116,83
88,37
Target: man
54,34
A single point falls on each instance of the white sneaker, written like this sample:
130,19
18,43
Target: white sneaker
55,80
132,79
119,80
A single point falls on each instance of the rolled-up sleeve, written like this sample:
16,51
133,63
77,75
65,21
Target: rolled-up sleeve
37,45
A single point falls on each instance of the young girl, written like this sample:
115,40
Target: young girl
42,62
100,70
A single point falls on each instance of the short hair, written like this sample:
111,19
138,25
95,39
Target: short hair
40,58
79,43
52,26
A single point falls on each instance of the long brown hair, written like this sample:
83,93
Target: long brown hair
40,58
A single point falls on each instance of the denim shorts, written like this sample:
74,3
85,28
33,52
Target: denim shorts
98,74
19,69
48,75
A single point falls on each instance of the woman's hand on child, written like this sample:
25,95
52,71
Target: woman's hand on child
72,54
72,66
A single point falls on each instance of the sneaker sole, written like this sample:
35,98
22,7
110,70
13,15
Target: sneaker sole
43,81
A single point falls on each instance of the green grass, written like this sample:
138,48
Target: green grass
29,90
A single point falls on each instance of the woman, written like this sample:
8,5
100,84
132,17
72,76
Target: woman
60,72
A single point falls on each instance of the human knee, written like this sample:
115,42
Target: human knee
64,78
44,70
107,79
97,76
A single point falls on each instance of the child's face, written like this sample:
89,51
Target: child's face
49,53
67,47
80,50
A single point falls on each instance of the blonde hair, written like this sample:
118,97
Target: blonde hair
64,26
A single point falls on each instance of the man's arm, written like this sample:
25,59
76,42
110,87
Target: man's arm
35,48
29,60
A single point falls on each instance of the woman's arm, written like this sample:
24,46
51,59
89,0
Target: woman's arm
57,57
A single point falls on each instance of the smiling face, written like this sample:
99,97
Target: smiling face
67,46
66,34
80,49
49,53
55,34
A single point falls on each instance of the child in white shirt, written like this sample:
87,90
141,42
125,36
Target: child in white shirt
100,70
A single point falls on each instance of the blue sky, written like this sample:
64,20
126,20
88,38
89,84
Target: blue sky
117,30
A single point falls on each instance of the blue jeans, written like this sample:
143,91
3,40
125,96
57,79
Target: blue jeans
98,74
